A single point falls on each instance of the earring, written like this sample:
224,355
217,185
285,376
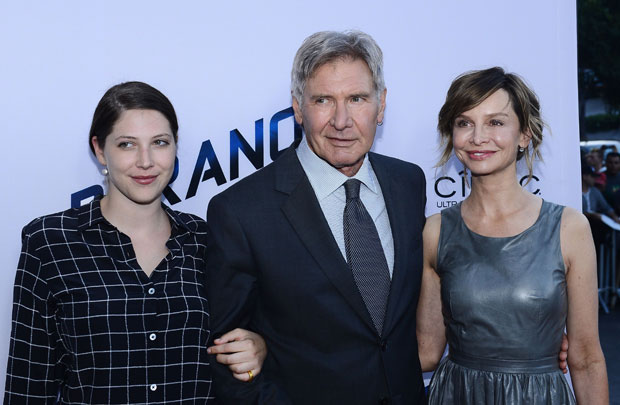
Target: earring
521,149
379,123
104,171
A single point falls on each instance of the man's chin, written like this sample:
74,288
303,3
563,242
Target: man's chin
348,168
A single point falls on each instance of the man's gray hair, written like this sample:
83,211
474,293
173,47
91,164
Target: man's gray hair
326,46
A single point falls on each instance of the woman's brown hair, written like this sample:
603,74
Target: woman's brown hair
471,88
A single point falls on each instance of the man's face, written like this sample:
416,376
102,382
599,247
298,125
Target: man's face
594,159
613,165
588,179
340,111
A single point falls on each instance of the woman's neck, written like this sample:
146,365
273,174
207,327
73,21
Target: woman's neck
131,218
497,195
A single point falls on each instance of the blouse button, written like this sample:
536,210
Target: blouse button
153,387
152,336
151,291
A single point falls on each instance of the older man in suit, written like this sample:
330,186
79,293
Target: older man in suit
321,251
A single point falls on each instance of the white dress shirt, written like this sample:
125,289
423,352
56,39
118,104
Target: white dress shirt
328,185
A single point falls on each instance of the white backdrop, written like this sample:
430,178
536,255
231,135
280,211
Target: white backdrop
226,66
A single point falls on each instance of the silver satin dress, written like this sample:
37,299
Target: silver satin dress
504,307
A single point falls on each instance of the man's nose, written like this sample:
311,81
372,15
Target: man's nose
342,117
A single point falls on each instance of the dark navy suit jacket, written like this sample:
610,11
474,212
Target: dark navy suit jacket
275,268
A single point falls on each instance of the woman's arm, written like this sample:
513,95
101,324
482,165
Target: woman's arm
32,370
585,357
430,328
243,351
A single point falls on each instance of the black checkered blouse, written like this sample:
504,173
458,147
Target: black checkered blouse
89,326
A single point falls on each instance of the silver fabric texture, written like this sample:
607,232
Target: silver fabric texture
365,255
504,305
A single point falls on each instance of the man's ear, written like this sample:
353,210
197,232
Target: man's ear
297,111
381,106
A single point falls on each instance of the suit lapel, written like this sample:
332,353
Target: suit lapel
306,217
396,208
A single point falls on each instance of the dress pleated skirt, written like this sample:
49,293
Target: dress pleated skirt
454,383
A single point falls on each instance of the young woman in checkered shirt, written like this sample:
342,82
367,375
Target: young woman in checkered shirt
110,298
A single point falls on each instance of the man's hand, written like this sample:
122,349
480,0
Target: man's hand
243,351
563,354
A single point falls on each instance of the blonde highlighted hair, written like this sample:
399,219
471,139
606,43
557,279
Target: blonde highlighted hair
471,88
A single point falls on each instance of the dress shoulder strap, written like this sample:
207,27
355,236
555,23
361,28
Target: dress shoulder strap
451,222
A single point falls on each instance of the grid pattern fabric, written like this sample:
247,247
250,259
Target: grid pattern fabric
89,326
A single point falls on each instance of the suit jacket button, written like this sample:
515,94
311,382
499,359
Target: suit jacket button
383,345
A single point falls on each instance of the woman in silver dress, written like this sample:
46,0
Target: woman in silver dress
505,271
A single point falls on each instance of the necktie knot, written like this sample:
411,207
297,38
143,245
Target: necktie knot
352,189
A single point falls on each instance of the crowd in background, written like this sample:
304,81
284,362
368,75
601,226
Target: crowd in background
600,180
600,170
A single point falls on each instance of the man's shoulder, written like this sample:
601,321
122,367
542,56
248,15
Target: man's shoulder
258,184
252,182
596,192
396,167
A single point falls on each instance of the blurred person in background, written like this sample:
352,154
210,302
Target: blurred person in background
594,158
593,203
612,187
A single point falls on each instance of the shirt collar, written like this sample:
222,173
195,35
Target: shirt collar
324,178
89,216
